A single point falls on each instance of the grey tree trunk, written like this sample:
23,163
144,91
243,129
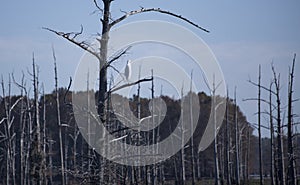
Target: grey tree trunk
280,166
216,160
59,125
272,160
192,139
44,162
237,152
182,143
259,129
227,140
291,174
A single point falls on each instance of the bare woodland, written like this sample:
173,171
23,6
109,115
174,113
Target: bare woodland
40,142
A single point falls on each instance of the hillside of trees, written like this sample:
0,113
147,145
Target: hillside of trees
25,159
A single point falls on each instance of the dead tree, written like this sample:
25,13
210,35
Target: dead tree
192,139
237,162
272,147
279,165
22,120
154,169
214,114
227,141
107,24
291,180
280,162
183,179
259,128
216,159
7,133
61,150
44,161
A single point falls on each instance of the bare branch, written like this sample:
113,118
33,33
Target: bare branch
130,84
143,10
68,90
256,99
19,85
263,87
2,120
71,37
115,69
98,7
120,54
13,106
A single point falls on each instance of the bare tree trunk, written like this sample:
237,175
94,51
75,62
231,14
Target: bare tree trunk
29,138
227,152
182,142
59,124
192,128
248,155
7,132
44,164
154,170
89,125
259,129
237,152
66,144
50,153
22,140
216,160
139,117
291,173
271,138
174,158
280,166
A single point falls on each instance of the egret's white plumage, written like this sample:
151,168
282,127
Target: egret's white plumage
127,73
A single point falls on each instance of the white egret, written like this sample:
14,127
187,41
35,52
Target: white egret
127,73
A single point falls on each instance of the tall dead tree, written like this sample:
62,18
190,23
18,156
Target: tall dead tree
280,166
36,153
227,141
291,180
107,24
272,147
44,165
23,92
61,150
7,134
259,128
191,125
237,152
216,159
154,169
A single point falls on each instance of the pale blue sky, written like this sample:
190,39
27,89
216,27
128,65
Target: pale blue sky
243,35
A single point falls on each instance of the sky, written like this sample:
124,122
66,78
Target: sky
243,34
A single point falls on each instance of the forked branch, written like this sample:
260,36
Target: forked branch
71,37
